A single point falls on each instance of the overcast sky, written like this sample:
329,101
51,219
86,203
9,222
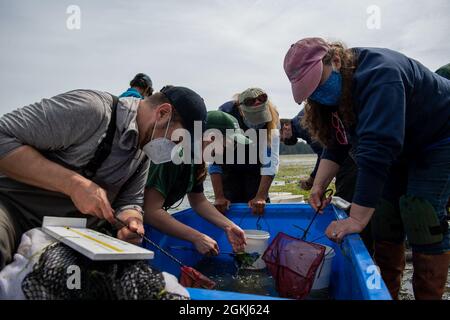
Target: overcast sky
216,47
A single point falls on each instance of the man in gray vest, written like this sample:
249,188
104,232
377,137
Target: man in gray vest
84,154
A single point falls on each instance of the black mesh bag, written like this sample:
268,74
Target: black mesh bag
99,280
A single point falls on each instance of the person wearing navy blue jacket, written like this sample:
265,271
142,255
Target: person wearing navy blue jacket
395,114
141,86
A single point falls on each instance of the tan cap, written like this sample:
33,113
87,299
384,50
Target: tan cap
255,112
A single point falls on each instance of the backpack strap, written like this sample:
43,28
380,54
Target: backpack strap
105,146
138,170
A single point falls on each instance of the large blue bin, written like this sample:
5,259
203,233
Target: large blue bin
354,274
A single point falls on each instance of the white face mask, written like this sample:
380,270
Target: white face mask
159,150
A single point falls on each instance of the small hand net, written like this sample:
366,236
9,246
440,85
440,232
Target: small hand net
293,264
100,280
191,278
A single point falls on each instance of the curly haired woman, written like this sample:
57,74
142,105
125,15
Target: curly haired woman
393,114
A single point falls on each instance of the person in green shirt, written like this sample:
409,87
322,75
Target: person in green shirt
168,183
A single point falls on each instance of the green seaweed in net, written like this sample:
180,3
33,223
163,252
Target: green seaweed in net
245,260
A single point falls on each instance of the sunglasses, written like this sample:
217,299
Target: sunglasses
339,129
251,102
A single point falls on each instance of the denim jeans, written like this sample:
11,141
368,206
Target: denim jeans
426,176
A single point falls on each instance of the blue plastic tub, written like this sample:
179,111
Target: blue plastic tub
354,275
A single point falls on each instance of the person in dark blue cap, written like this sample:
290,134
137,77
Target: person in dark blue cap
141,86
85,154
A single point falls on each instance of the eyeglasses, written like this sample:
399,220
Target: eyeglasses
251,102
339,129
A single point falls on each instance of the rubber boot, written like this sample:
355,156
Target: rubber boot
390,257
430,275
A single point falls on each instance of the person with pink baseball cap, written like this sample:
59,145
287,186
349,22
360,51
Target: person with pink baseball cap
391,114
303,65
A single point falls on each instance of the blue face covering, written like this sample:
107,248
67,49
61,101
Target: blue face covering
329,93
